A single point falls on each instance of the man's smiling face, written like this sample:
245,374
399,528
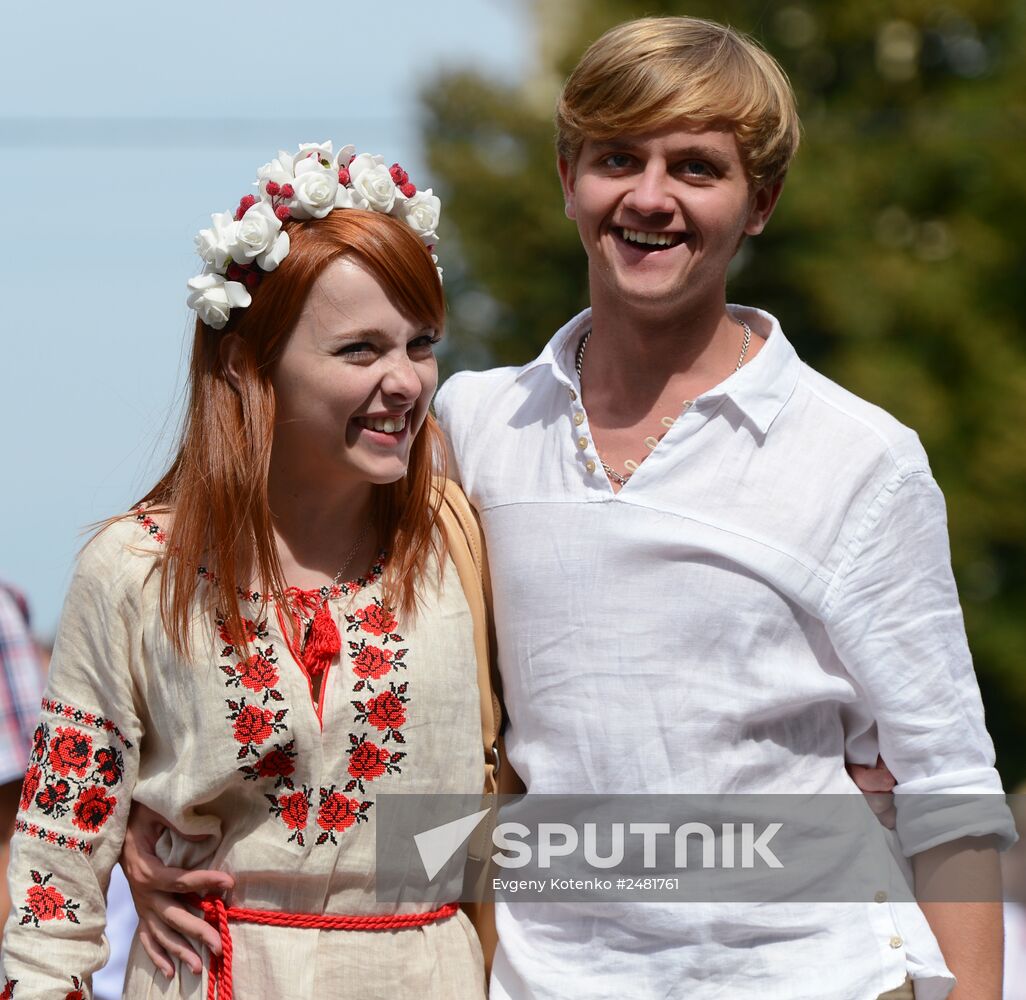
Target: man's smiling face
661,215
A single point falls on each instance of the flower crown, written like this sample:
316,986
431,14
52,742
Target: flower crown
240,247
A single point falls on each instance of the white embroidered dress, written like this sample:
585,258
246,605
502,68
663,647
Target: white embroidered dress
234,748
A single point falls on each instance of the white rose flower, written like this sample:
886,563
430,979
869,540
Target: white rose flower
213,298
275,254
373,188
255,233
321,153
213,244
314,193
345,156
421,214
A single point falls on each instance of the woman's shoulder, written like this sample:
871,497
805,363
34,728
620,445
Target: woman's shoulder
128,545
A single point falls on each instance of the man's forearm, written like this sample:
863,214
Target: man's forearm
970,933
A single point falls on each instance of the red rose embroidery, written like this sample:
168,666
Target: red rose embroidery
337,812
110,765
76,993
276,764
386,711
371,662
253,724
367,761
53,796
29,786
257,673
70,750
45,902
249,631
294,810
8,990
39,742
93,808
376,619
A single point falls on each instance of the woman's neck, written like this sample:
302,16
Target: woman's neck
320,533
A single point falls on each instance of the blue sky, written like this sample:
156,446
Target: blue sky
122,127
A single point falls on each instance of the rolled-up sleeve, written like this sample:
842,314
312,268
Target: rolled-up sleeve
895,621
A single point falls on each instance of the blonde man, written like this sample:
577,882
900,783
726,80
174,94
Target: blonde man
714,569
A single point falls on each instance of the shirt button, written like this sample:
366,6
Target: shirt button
881,897
582,443
590,465
578,419
896,942
573,395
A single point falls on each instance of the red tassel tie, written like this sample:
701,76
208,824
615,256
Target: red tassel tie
323,642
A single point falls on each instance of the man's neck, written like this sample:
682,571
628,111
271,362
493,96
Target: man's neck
636,362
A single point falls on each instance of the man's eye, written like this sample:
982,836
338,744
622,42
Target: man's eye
698,168
617,161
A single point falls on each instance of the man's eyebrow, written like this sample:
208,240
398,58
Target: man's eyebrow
698,152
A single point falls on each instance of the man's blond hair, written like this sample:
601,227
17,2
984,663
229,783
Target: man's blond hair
644,75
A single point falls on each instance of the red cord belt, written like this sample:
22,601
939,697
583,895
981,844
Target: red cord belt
219,984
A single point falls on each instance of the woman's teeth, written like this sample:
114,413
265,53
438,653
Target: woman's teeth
650,239
388,425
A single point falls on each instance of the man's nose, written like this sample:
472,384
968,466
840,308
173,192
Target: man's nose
650,194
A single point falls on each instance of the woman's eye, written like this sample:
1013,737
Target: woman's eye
424,342
355,350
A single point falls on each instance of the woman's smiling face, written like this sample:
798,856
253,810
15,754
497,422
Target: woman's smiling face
353,385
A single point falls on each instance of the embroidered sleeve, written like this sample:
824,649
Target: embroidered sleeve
78,786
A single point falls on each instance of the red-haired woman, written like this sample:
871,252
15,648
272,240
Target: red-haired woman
276,633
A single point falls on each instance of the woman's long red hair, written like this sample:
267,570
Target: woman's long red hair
216,486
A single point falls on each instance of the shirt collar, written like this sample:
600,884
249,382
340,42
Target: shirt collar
759,390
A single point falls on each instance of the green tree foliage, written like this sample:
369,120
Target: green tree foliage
895,260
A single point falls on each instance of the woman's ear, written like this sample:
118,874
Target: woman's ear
232,350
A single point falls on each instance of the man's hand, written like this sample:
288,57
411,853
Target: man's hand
877,785
166,927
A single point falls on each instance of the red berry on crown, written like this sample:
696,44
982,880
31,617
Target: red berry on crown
287,190
408,189
283,213
272,188
343,176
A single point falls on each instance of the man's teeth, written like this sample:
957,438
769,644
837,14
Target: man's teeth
651,239
390,425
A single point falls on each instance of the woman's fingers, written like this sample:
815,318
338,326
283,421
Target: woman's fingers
177,918
147,873
162,943
872,779
158,956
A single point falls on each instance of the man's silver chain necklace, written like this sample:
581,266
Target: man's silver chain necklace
617,477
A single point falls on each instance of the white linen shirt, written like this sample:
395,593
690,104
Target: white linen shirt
771,589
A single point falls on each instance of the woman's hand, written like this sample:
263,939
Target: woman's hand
877,785
166,927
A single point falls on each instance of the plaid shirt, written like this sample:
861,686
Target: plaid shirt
21,685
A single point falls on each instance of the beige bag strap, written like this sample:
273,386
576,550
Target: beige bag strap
467,551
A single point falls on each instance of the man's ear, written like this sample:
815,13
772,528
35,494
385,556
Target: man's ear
568,180
232,351
764,201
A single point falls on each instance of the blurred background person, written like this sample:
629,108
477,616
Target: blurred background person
21,690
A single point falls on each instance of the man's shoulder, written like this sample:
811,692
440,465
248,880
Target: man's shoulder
851,426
